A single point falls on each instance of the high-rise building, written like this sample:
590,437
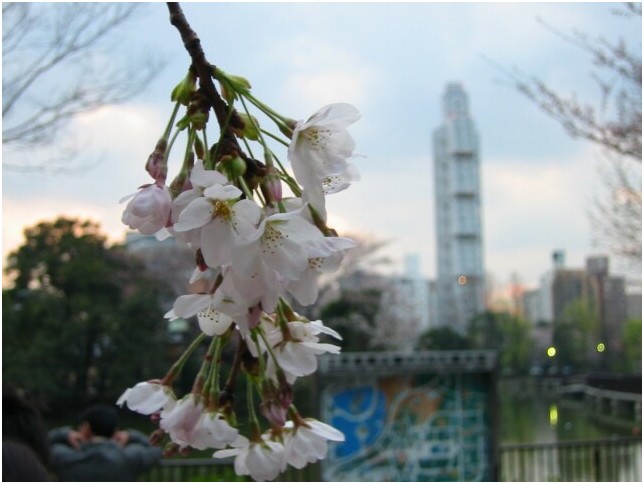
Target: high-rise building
461,278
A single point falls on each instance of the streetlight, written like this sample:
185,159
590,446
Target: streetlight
551,351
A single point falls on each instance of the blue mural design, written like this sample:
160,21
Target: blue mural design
415,428
360,414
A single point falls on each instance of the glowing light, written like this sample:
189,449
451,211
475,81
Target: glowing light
552,351
601,347
462,280
553,415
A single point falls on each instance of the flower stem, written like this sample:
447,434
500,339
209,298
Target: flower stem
168,128
206,160
169,148
271,135
175,370
226,396
201,382
213,394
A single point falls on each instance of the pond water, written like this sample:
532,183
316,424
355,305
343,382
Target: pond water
530,415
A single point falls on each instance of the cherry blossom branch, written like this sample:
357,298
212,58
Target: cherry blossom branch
204,73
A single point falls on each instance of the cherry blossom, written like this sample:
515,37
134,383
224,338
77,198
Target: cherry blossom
261,460
189,424
200,179
319,149
149,210
223,219
211,320
306,442
147,397
324,257
297,354
212,431
254,248
282,243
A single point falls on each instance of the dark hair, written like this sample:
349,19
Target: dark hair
102,419
22,422
21,464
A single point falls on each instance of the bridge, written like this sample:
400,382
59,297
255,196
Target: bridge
617,396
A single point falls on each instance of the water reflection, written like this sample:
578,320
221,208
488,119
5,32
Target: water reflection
531,416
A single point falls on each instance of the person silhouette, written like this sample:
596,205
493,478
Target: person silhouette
97,451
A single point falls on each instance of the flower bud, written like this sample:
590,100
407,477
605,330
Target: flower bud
238,83
273,412
156,165
233,167
228,94
157,436
288,128
198,119
183,91
251,127
272,186
170,450
149,210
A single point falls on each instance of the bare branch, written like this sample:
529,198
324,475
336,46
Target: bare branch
55,68
615,122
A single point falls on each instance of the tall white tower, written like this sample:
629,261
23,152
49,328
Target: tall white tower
461,277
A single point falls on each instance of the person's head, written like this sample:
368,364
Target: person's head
22,422
99,420
21,463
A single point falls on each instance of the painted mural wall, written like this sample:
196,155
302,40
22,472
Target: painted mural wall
409,420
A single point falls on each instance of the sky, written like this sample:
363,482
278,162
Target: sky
392,61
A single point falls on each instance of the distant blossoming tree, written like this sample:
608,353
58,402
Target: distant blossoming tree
613,123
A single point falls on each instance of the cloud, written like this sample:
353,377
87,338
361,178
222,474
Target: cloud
533,207
121,137
320,72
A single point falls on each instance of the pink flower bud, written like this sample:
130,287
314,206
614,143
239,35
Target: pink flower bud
274,412
149,210
157,165
253,317
274,187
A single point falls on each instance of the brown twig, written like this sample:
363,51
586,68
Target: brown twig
204,73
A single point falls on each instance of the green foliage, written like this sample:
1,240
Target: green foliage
508,334
83,321
576,335
632,337
443,338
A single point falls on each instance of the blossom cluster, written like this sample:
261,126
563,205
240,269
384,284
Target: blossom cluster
256,250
